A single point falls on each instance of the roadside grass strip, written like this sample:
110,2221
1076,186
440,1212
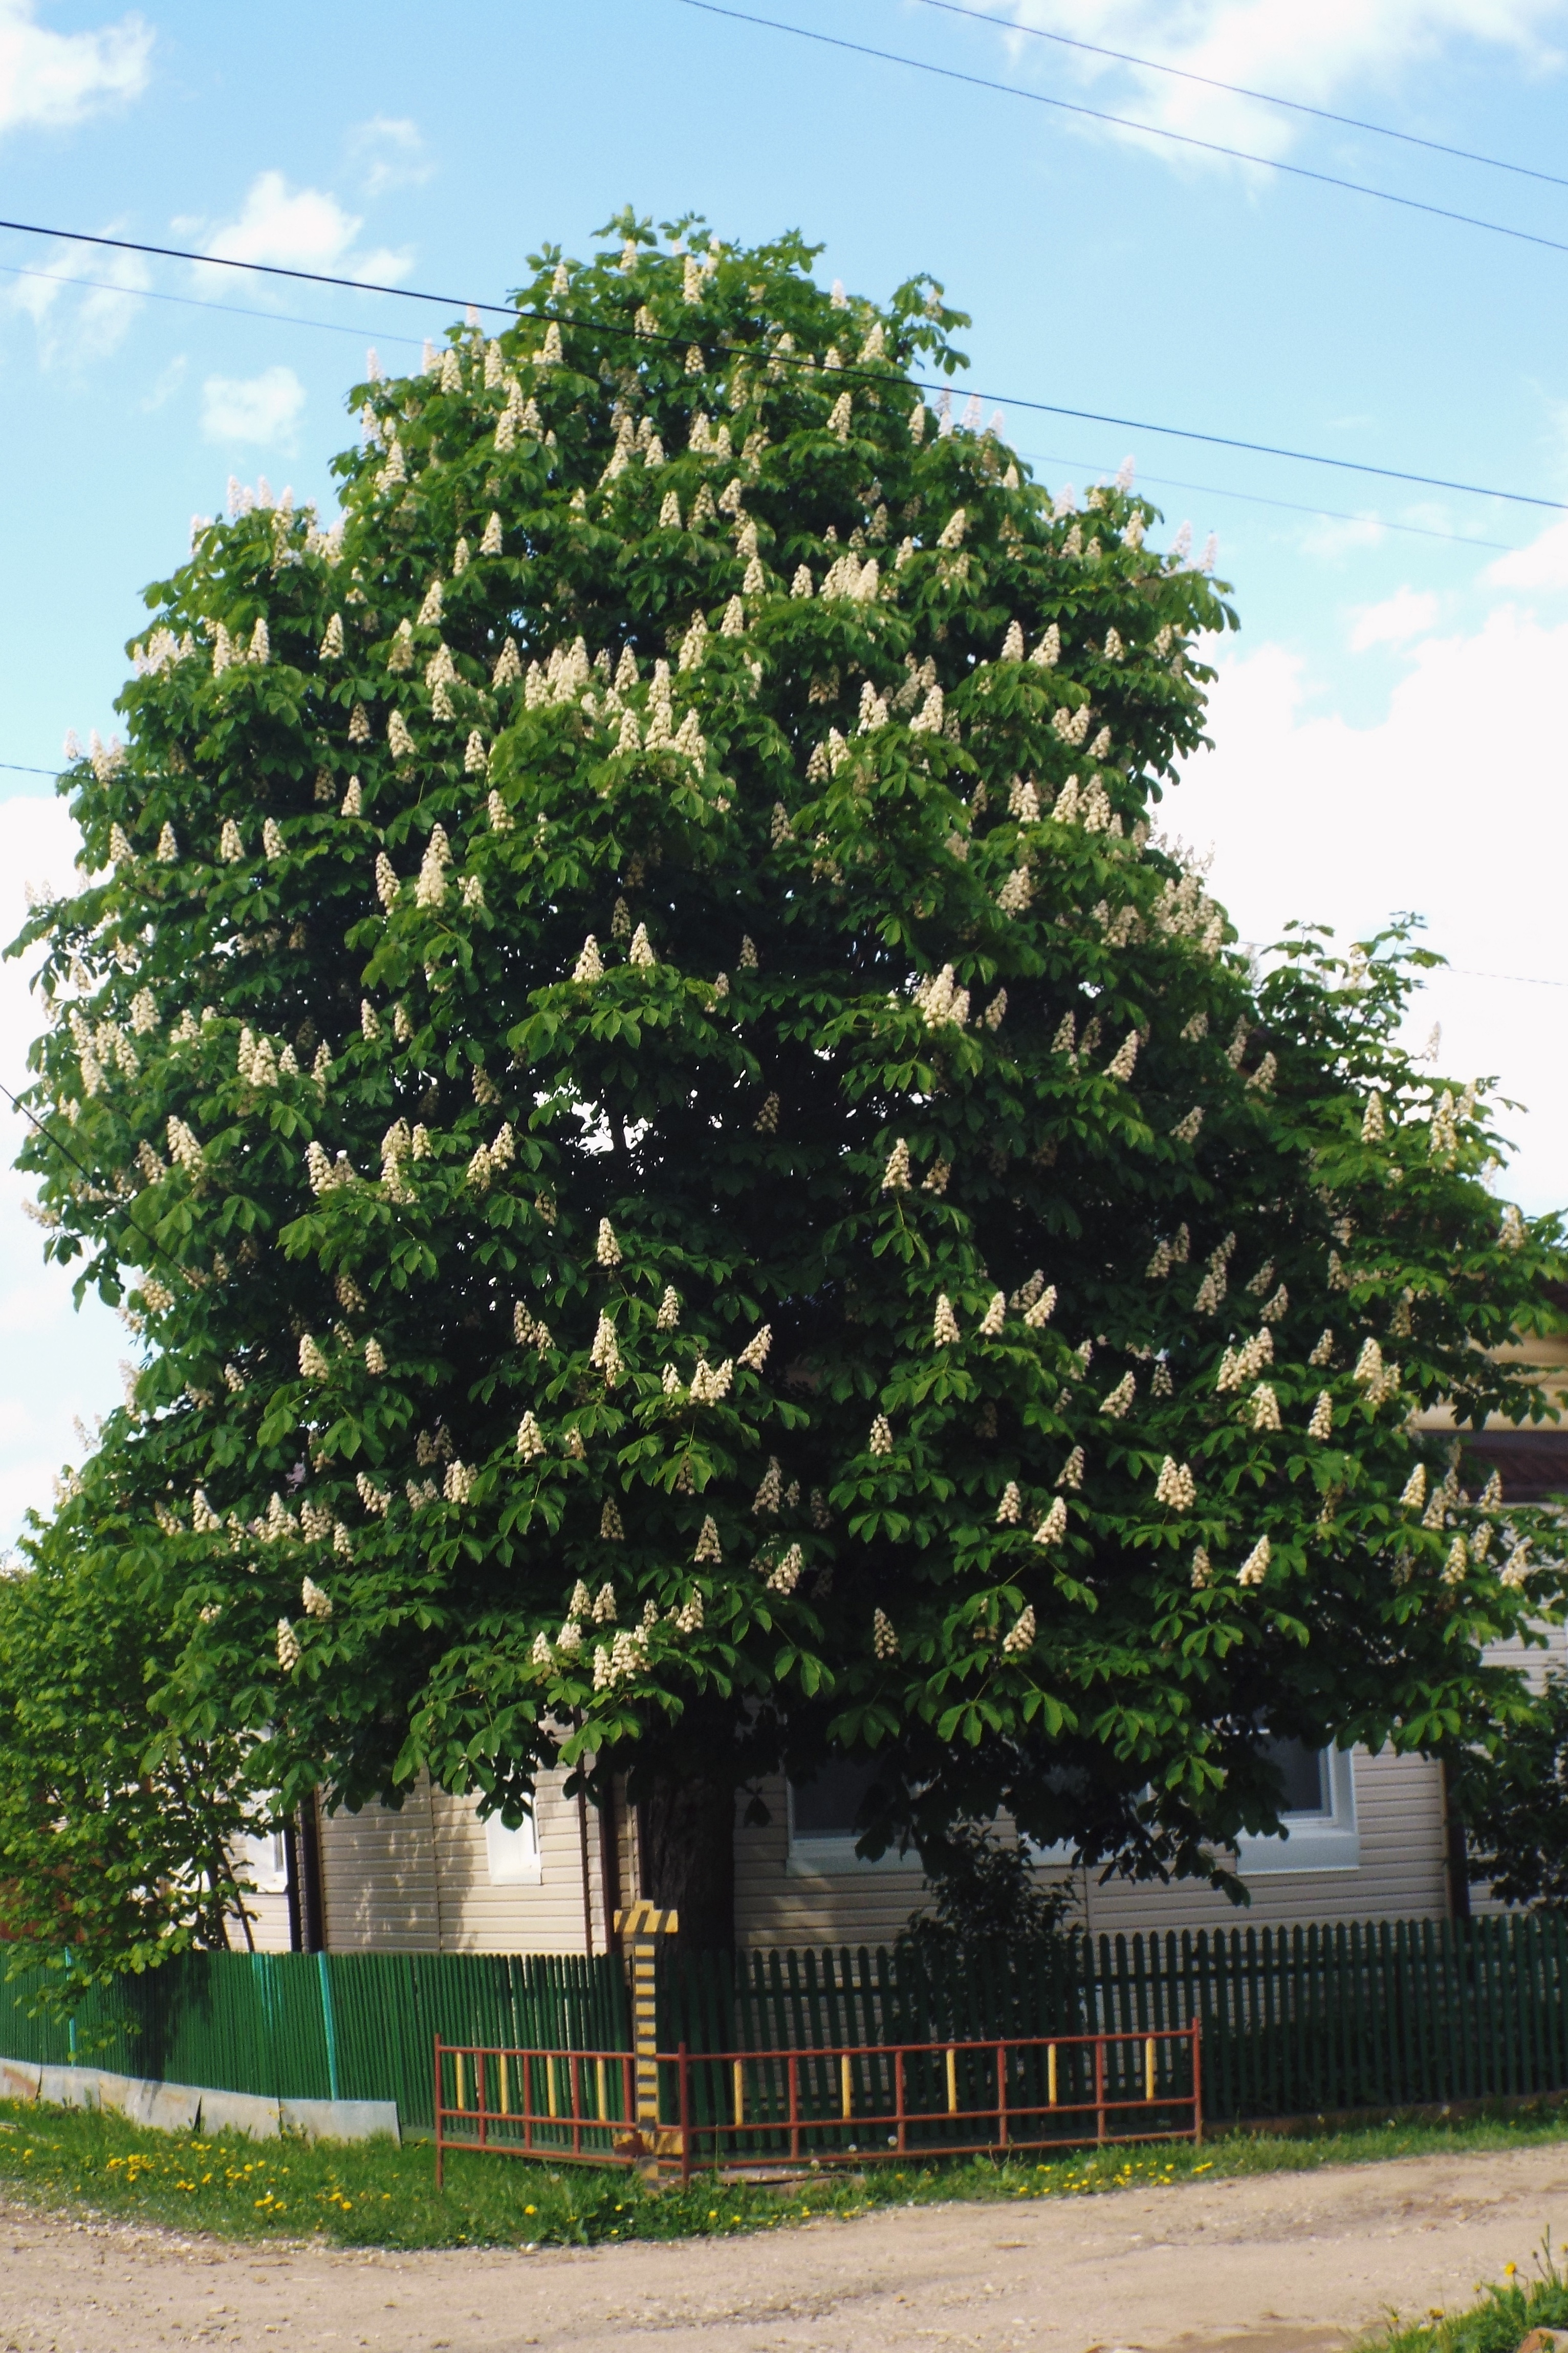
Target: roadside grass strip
1508,2316
375,2194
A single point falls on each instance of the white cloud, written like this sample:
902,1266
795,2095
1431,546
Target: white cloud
384,265
50,80
1407,614
75,325
1314,50
68,1364
301,228
390,153
1333,538
1542,565
297,228
1454,805
264,408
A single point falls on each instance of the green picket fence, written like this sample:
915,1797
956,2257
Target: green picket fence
1294,2020
349,2026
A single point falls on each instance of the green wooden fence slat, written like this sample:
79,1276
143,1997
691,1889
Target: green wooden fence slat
1294,2019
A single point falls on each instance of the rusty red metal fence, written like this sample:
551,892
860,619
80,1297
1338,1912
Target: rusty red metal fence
755,2111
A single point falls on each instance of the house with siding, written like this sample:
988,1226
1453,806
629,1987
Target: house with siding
1367,1837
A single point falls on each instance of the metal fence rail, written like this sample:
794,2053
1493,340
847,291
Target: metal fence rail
748,2111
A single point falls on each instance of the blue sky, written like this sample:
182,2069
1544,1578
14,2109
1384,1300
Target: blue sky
1387,727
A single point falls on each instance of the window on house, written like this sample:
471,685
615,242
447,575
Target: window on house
1317,1814
1304,1773
513,1855
264,1861
824,1821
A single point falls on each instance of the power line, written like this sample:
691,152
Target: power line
1128,122
1513,979
192,302
513,312
17,769
390,335
49,1137
1240,89
1289,506
272,270
1267,449
1443,970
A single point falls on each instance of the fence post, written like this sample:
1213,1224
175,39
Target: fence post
684,2065
441,2144
639,1927
329,2025
1197,2086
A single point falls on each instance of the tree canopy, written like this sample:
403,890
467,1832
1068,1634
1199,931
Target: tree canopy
1513,1800
121,1826
700,1189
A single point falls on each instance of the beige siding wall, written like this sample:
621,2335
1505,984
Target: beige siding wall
378,1878
268,1924
1536,1661
478,1917
775,1905
419,1880
1399,1815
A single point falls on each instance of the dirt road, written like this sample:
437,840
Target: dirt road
1277,2263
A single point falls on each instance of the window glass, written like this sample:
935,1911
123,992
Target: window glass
512,1856
829,1805
265,1861
1304,1773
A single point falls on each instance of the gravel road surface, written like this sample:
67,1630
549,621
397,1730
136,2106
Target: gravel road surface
1273,2264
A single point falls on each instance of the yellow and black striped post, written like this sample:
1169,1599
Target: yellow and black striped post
639,1927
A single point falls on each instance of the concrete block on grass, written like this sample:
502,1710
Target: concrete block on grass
241,2112
19,2079
70,2087
168,2107
187,2107
342,2120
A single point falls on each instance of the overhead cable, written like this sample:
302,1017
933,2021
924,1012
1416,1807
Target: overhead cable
1288,506
1128,122
1240,89
514,312
387,335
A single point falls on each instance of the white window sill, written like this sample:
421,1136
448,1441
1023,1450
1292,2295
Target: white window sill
1305,1850
835,1857
1316,1842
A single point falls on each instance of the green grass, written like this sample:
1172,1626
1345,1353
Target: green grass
1504,2317
372,2193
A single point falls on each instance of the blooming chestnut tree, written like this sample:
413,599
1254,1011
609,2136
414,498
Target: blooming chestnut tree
699,1190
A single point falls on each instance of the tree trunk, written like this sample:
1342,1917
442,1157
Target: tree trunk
686,1845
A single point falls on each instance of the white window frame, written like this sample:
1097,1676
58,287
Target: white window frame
827,1854
1329,1841
512,1856
263,1859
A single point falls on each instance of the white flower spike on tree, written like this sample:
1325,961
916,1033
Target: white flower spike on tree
740,798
